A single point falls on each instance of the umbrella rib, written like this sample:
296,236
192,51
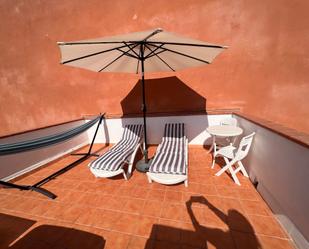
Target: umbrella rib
131,48
163,50
188,44
153,51
127,53
189,56
90,43
161,59
150,42
89,55
117,58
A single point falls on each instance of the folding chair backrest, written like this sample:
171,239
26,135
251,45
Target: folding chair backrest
229,121
132,132
174,131
244,146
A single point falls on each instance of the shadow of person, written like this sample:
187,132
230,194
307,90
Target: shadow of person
217,237
172,234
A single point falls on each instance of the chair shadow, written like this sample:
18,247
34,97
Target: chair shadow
44,236
201,236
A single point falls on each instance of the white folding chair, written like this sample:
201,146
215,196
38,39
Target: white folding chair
232,156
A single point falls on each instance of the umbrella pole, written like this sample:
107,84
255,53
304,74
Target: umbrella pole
143,165
144,109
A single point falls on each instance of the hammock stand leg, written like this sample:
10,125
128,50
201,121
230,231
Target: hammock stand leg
90,148
36,187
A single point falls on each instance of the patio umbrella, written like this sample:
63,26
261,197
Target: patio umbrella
140,52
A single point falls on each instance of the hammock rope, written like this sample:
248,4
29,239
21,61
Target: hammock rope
6,149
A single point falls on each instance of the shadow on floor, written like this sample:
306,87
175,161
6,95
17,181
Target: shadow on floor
11,227
201,236
44,236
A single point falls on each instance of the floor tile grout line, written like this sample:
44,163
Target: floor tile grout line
165,200
159,218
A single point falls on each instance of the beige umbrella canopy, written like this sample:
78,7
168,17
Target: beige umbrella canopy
162,51
146,51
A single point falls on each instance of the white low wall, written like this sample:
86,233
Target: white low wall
17,164
281,168
195,125
110,131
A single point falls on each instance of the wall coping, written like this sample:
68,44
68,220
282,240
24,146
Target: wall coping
165,114
293,135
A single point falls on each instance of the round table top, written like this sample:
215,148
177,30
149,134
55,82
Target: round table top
224,130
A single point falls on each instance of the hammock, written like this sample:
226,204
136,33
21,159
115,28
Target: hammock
6,149
37,143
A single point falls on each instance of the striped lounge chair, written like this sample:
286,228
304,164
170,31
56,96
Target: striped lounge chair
170,163
111,162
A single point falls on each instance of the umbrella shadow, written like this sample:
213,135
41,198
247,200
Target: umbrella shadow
11,227
168,98
200,235
44,236
167,95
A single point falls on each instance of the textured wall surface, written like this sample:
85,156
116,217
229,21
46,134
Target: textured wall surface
264,72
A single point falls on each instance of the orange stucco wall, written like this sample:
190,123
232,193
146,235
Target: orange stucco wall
264,72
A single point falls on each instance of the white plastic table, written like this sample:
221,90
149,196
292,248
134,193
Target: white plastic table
223,131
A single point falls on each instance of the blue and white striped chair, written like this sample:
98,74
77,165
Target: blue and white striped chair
170,164
111,162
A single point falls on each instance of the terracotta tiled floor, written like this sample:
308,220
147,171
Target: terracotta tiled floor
212,212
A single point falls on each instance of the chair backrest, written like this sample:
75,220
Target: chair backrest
174,131
132,132
229,121
244,146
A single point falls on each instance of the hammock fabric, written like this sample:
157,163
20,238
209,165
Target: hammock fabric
46,141
6,149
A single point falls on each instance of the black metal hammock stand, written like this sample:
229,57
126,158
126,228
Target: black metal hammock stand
6,149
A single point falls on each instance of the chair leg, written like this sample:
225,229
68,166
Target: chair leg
124,175
129,173
214,154
212,145
233,174
226,167
242,169
229,167
186,183
213,162
149,179
226,160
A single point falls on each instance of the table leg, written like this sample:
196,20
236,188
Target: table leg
233,140
212,145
